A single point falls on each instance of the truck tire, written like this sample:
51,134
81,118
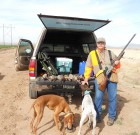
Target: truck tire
32,94
17,68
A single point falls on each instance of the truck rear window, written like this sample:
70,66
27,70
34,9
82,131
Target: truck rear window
56,48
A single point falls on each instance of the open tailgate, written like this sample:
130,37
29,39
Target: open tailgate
71,23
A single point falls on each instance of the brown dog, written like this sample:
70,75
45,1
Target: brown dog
53,102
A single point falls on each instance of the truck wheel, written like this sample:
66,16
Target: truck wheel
32,94
17,67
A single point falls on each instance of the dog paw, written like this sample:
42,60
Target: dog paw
97,131
31,131
59,125
61,133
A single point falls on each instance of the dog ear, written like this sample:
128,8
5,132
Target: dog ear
65,122
83,88
76,119
74,115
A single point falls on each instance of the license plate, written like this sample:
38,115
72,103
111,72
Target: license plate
68,87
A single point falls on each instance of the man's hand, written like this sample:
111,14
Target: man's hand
85,81
117,62
116,66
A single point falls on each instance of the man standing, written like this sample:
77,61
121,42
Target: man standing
100,60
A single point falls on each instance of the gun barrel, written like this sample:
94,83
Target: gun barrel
120,56
129,42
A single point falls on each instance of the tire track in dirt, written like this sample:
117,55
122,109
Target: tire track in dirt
12,85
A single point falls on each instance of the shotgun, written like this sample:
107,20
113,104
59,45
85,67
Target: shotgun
107,71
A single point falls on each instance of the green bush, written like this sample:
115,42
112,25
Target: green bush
7,46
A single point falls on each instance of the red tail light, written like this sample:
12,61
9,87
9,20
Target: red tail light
32,67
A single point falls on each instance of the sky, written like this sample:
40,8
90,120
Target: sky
18,18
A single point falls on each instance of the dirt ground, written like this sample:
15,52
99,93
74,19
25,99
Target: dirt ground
15,102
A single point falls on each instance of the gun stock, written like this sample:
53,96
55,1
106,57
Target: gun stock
102,85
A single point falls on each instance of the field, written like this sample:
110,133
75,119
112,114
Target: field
15,102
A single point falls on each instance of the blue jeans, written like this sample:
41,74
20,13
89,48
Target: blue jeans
112,98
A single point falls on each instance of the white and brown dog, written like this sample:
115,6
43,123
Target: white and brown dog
88,109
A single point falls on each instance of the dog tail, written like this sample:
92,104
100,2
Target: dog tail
32,106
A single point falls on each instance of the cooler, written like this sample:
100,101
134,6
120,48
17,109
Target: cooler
64,65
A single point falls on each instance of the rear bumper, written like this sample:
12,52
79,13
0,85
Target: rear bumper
56,87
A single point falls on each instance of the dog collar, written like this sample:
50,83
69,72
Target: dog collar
68,114
87,92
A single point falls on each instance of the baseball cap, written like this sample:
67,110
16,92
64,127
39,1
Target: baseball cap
101,39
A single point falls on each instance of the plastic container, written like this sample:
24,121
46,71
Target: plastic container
64,65
82,68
